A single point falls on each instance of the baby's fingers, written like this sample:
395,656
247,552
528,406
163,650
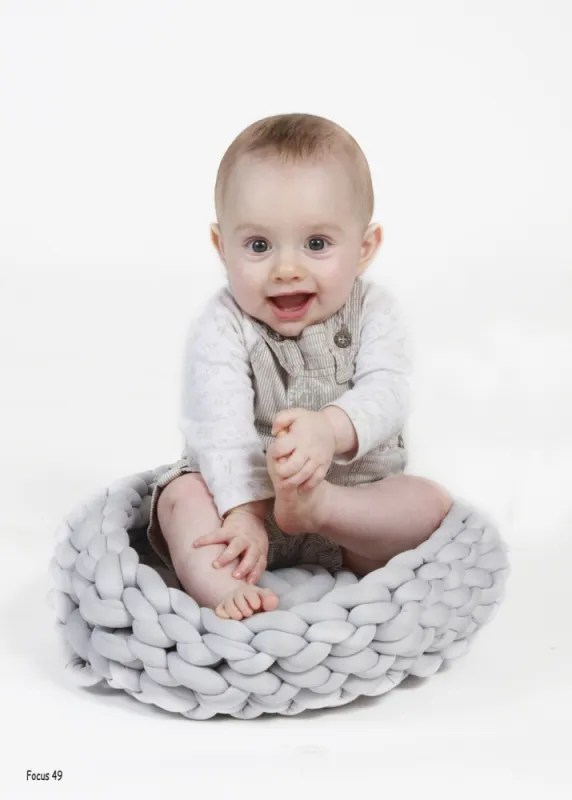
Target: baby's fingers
314,480
303,474
232,551
286,468
249,559
216,537
257,570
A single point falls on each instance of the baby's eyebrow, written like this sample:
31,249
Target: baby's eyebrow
246,226
322,226
317,226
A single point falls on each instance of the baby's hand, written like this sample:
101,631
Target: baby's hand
243,532
305,451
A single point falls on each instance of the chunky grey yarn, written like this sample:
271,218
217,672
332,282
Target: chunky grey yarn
332,638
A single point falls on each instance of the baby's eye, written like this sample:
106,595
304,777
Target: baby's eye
317,243
317,240
257,242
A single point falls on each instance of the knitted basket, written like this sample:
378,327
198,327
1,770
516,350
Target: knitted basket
332,638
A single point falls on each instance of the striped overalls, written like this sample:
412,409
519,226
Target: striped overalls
307,371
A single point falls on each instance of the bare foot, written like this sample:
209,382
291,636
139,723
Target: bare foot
246,601
294,511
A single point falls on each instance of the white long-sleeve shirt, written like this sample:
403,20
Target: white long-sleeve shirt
217,403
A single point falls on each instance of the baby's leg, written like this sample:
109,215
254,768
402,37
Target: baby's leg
185,511
371,522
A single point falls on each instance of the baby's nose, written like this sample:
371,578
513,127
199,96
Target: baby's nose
288,270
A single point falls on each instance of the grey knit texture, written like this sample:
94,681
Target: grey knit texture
332,638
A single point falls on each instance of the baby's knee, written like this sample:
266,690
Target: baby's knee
440,500
187,488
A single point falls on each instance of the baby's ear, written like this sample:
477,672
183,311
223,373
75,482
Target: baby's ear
216,239
372,239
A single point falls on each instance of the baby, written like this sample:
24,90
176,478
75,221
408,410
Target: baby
295,386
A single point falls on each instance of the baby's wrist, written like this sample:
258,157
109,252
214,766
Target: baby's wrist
332,428
345,437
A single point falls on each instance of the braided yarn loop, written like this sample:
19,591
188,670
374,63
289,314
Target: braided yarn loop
332,638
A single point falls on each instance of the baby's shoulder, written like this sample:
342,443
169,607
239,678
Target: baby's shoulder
217,310
377,299
221,316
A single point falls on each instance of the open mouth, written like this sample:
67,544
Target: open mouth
291,302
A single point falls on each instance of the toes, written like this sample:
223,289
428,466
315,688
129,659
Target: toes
246,603
220,611
269,600
233,611
241,602
254,599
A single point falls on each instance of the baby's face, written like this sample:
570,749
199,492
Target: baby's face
292,240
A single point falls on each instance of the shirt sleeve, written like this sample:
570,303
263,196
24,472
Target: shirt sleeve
217,409
378,402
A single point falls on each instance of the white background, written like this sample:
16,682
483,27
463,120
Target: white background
113,118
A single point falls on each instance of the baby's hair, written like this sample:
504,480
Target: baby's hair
298,137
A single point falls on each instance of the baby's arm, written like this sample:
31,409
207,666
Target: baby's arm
376,407
217,413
